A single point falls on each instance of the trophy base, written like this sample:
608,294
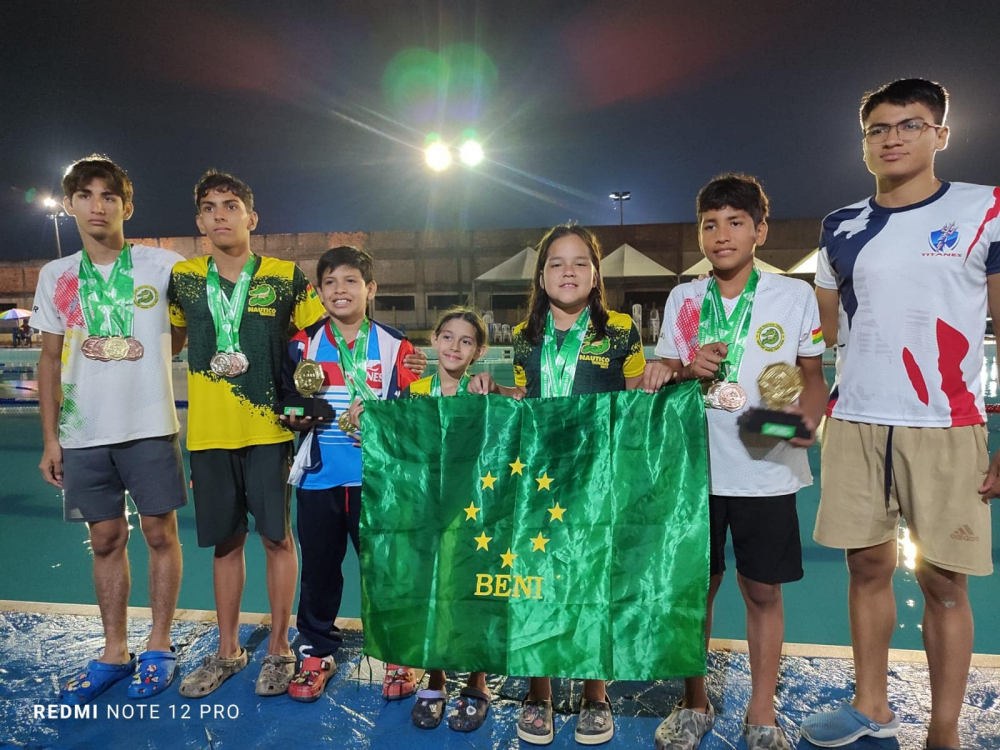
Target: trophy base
777,424
302,406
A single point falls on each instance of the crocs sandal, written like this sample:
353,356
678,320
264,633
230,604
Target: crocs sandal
845,725
276,671
399,683
534,722
470,710
429,708
310,681
214,670
94,680
156,672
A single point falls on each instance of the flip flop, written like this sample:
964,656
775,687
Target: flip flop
399,683
429,708
470,710
94,680
156,672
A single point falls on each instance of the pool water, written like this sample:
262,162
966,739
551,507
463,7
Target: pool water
49,560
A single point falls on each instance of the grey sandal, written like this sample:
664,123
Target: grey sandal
214,670
429,708
276,671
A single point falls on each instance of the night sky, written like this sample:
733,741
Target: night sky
324,107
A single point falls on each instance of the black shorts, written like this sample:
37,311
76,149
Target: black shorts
95,479
228,483
765,537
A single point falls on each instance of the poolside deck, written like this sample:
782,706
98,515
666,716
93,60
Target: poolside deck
41,648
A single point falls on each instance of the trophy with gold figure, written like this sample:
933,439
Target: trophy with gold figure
308,379
780,385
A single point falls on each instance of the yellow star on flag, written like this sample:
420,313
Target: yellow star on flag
508,559
483,541
515,468
470,512
557,513
539,543
488,481
544,482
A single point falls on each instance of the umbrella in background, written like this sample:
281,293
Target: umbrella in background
15,314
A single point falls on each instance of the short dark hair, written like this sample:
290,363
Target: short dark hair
82,171
467,314
734,190
345,255
908,91
213,180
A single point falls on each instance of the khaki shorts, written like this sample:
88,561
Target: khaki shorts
871,475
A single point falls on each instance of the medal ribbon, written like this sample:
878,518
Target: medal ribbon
354,364
227,312
107,305
733,330
463,383
559,367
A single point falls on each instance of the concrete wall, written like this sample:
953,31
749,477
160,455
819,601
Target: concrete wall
430,263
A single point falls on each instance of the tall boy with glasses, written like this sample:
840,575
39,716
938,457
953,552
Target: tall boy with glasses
912,271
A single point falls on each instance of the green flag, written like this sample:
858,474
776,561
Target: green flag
562,537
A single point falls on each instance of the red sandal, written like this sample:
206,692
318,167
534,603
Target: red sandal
310,681
399,683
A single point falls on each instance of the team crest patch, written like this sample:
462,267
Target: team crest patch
943,239
770,337
145,297
262,295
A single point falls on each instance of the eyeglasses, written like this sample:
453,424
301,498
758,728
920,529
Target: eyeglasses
907,130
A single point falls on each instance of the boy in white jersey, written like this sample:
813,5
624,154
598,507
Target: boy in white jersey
728,329
911,272
108,417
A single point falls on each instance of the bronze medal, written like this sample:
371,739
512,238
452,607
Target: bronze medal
235,365
308,377
220,364
244,362
780,384
135,349
91,347
345,423
731,396
116,348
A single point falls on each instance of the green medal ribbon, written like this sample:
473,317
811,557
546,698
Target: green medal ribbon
227,312
354,364
559,367
463,384
733,330
107,305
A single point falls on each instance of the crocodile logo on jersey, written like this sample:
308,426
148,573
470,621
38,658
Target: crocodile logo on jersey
942,240
770,337
262,295
589,347
145,297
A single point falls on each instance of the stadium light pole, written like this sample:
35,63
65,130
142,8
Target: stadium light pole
55,211
619,198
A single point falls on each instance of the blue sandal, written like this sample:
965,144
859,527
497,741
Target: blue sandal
94,680
845,725
156,672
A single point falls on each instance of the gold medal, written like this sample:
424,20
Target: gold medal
345,423
116,348
308,377
780,384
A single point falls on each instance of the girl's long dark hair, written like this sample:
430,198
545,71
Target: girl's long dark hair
538,306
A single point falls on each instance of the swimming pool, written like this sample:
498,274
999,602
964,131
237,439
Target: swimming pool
49,560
